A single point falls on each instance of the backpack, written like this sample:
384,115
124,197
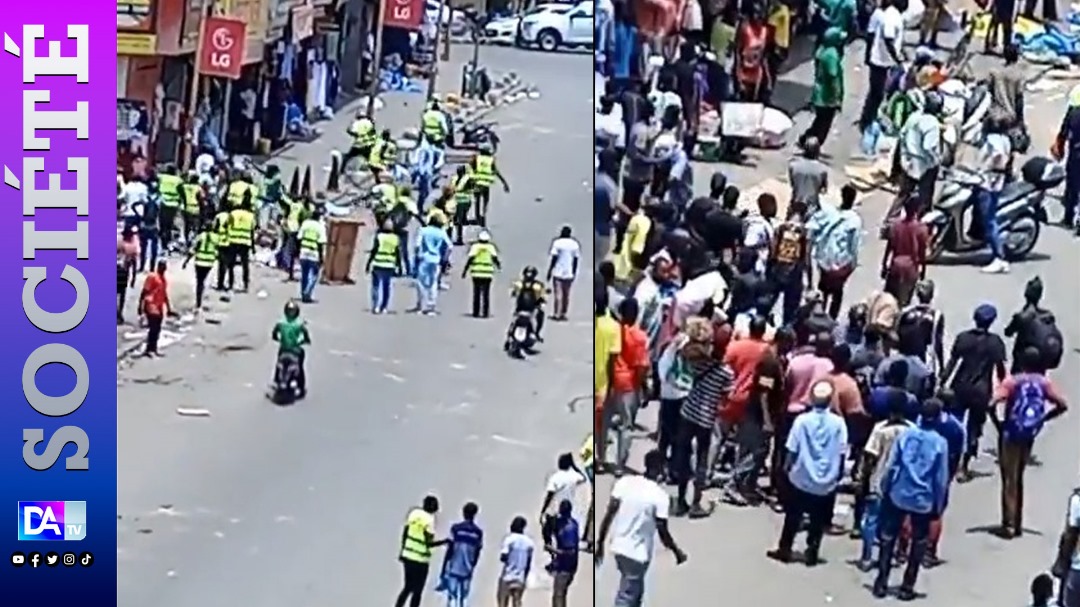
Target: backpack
1027,409
1045,334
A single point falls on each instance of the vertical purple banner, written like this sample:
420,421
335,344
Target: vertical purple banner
57,237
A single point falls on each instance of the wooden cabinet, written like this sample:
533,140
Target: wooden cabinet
342,239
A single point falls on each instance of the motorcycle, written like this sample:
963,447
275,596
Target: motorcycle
522,337
473,135
1020,211
286,388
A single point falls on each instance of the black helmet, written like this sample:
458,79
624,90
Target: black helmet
292,310
530,273
858,314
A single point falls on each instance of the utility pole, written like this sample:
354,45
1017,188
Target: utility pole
188,149
443,7
376,59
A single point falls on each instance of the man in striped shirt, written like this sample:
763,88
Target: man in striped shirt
713,381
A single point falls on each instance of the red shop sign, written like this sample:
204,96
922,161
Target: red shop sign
407,14
222,50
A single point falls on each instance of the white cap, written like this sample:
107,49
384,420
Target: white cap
484,236
821,392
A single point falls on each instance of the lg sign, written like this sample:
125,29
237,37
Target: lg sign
404,13
222,51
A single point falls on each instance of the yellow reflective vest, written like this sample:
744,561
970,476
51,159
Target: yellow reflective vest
206,249
310,237
482,260
484,170
169,188
237,190
414,545
432,125
191,193
386,251
363,132
241,227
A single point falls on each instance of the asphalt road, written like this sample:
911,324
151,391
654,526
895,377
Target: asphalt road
303,506
727,551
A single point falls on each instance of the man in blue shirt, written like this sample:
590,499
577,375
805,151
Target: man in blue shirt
433,248
564,553
914,487
466,540
919,379
605,192
891,381
816,446
427,161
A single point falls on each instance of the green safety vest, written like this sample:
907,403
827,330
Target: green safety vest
463,194
191,197
414,546
169,188
386,251
237,189
292,220
241,226
221,223
482,260
309,239
206,249
382,153
484,170
433,125
363,132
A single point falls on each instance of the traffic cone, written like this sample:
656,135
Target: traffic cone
333,182
294,184
305,189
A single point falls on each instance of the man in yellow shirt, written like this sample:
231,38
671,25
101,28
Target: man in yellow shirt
628,263
607,344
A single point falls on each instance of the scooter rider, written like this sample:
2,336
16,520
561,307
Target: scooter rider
292,336
529,296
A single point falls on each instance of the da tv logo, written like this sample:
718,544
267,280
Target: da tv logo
52,521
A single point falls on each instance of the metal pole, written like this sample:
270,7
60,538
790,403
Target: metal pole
443,5
376,59
188,155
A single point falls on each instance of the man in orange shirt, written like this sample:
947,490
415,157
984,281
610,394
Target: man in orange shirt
628,382
154,305
749,419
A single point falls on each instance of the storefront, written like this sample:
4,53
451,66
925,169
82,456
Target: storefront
137,73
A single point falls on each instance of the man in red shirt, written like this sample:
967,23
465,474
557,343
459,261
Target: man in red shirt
749,418
753,43
628,381
154,305
904,261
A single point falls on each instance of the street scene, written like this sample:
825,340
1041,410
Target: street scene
301,472
729,542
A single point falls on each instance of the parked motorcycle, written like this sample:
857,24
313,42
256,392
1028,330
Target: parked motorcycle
1020,211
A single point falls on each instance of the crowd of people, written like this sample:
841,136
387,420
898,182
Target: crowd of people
772,382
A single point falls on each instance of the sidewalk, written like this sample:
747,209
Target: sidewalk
399,111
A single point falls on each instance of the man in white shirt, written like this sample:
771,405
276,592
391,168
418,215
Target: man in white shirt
920,157
609,130
135,194
565,256
1067,564
884,52
561,485
638,510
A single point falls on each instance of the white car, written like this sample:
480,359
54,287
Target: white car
562,26
506,30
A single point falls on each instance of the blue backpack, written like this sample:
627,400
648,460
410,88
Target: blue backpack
1027,409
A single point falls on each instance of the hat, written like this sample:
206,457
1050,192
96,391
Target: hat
484,236
985,314
821,392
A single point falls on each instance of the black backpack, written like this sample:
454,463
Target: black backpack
1044,333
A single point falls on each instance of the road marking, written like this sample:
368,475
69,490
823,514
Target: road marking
457,366
513,442
393,377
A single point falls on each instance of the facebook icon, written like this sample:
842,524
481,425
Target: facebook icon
52,521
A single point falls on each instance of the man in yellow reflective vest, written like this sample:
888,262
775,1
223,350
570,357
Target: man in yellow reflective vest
295,214
169,185
383,154
484,172
417,542
204,250
220,227
241,238
312,238
481,265
384,263
364,136
240,187
433,124
193,195
461,191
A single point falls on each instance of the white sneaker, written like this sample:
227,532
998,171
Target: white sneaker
997,266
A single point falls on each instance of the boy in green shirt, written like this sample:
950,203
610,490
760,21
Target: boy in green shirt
828,92
292,336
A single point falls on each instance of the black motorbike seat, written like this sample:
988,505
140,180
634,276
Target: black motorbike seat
1015,190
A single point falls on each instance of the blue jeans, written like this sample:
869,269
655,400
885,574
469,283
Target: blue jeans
988,204
631,592
1071,197
423,190
427,284
456,589
309,275
148,245
891,520
869,527
380,288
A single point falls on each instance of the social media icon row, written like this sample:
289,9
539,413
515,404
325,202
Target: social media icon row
51,559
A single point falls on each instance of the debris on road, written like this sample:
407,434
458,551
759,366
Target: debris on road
192,412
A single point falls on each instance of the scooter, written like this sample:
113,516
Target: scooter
286,388
1020,211
522,338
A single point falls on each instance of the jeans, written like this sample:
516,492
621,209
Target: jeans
1070,589
617,419
869,526
309,275
1070,199
1012,460
890,521
423,190
456,589
817,508
988,204
427,285
875,95
753,450
792,295
380,288
692,454
148,245
631,592
668,428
